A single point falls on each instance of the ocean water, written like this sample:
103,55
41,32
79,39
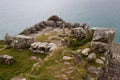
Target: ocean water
16,15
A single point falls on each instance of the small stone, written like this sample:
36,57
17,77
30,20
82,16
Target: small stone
67,58
33,58
85,51
99,61
91,69
78,51
103,58
64,77
66,63
92,56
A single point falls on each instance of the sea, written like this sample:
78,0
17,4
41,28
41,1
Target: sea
16,15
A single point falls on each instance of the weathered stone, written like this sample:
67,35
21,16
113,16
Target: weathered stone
85,26
98,71
39,47
103,58
101,47
92,69
105,35
85,51
59,24
78,32
6,59
92,56
67,58
75,25
49,23
99,61
112,64
52,46
68,25
21,41
78,51
66,63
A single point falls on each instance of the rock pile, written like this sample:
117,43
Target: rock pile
39,47
6,59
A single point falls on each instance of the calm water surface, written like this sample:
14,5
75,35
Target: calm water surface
16,15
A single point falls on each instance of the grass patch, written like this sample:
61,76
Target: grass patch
41,38
22,64
2,45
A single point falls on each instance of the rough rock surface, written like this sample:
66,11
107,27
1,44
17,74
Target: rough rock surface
39,47
102,38
92,56
20,41
103,41
85,51
99,61
105,35
67,58
78,32
6,59
112,68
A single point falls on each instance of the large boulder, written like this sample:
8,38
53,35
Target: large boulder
39,47
102,38
21,41
105,35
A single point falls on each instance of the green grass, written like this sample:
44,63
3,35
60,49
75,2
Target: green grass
2,45
41,38
22,64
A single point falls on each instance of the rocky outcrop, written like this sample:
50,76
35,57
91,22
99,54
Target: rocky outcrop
112,64
105,35
103,42
102,38
39,47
